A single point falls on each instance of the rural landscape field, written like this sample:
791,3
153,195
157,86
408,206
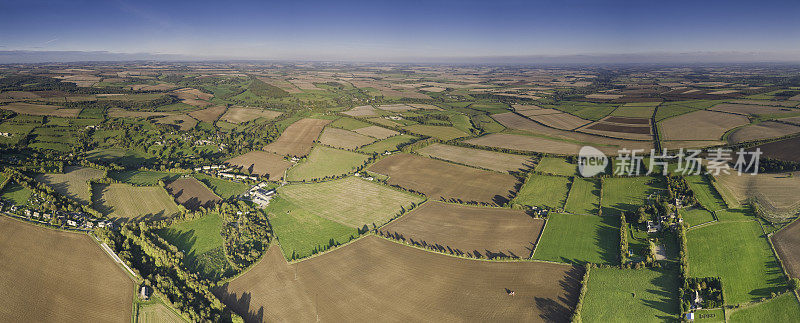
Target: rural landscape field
403,176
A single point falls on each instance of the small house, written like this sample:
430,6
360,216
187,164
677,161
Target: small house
690,316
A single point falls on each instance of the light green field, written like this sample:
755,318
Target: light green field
783,308
556,166
705,193
584,196
16,193
738,214
324,161
709,316
301,232
388,144
543,190
225,189
624,295
116,200
143,177
753,272
440,132
73,182
627,193
694,216
201,241
155,311
348,123
350,201
579,239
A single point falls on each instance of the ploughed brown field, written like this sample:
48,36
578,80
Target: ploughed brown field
40,109
443,180
373,279
466,230
261,163
209,114
56,276
628,120
478,158
191,193
784,149
612,127
787,244
298,138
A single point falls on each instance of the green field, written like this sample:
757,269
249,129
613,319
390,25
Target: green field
625,295
301,232
348,123
579,239
225,189
142,177
584,196
749,275
350,201
585,110
627,194
737,214
16,193
705,193
128,158
716,315
324,161
694,216
440,132
155,311
543,190
783,308
115,200
201,241
556,166
388,144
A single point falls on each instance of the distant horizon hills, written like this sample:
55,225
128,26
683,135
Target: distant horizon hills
697,57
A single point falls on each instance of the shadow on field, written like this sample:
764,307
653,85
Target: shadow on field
665,296
240,305
561,310
606,239
453,251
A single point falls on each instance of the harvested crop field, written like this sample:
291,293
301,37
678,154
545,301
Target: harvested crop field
350,201
40,109
764,130
115,200
443,180
700,125
73,183
209,114
563,121
191,193
378,287
476,157
466,230
377,132
787,245
362,111
628,120
298,137
747,109
183,121
121,113
261,163
396,107
634,111
784,149
239,115
613,127
776,192
526,143
56,276
344,139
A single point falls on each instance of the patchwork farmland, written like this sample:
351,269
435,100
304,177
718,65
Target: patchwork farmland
297,139
261,163
191,193
74,182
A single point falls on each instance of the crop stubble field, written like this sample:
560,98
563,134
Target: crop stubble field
73,182
298,138
115,200
191,193
261,163
479,158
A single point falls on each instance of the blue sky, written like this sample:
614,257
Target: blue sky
386,30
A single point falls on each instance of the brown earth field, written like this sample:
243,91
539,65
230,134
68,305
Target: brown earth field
787,244
191,193
700,125
476,157
784,149
377,132
628,120
746,109
443,180
466,230
563,121
57,276
261,163
514,121
239,115
764,130
208,115
121,113
373,279
611,127
41,109
344,139
298,138
190,93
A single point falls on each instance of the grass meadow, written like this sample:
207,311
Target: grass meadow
579,239
543,190
625,295
584,196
